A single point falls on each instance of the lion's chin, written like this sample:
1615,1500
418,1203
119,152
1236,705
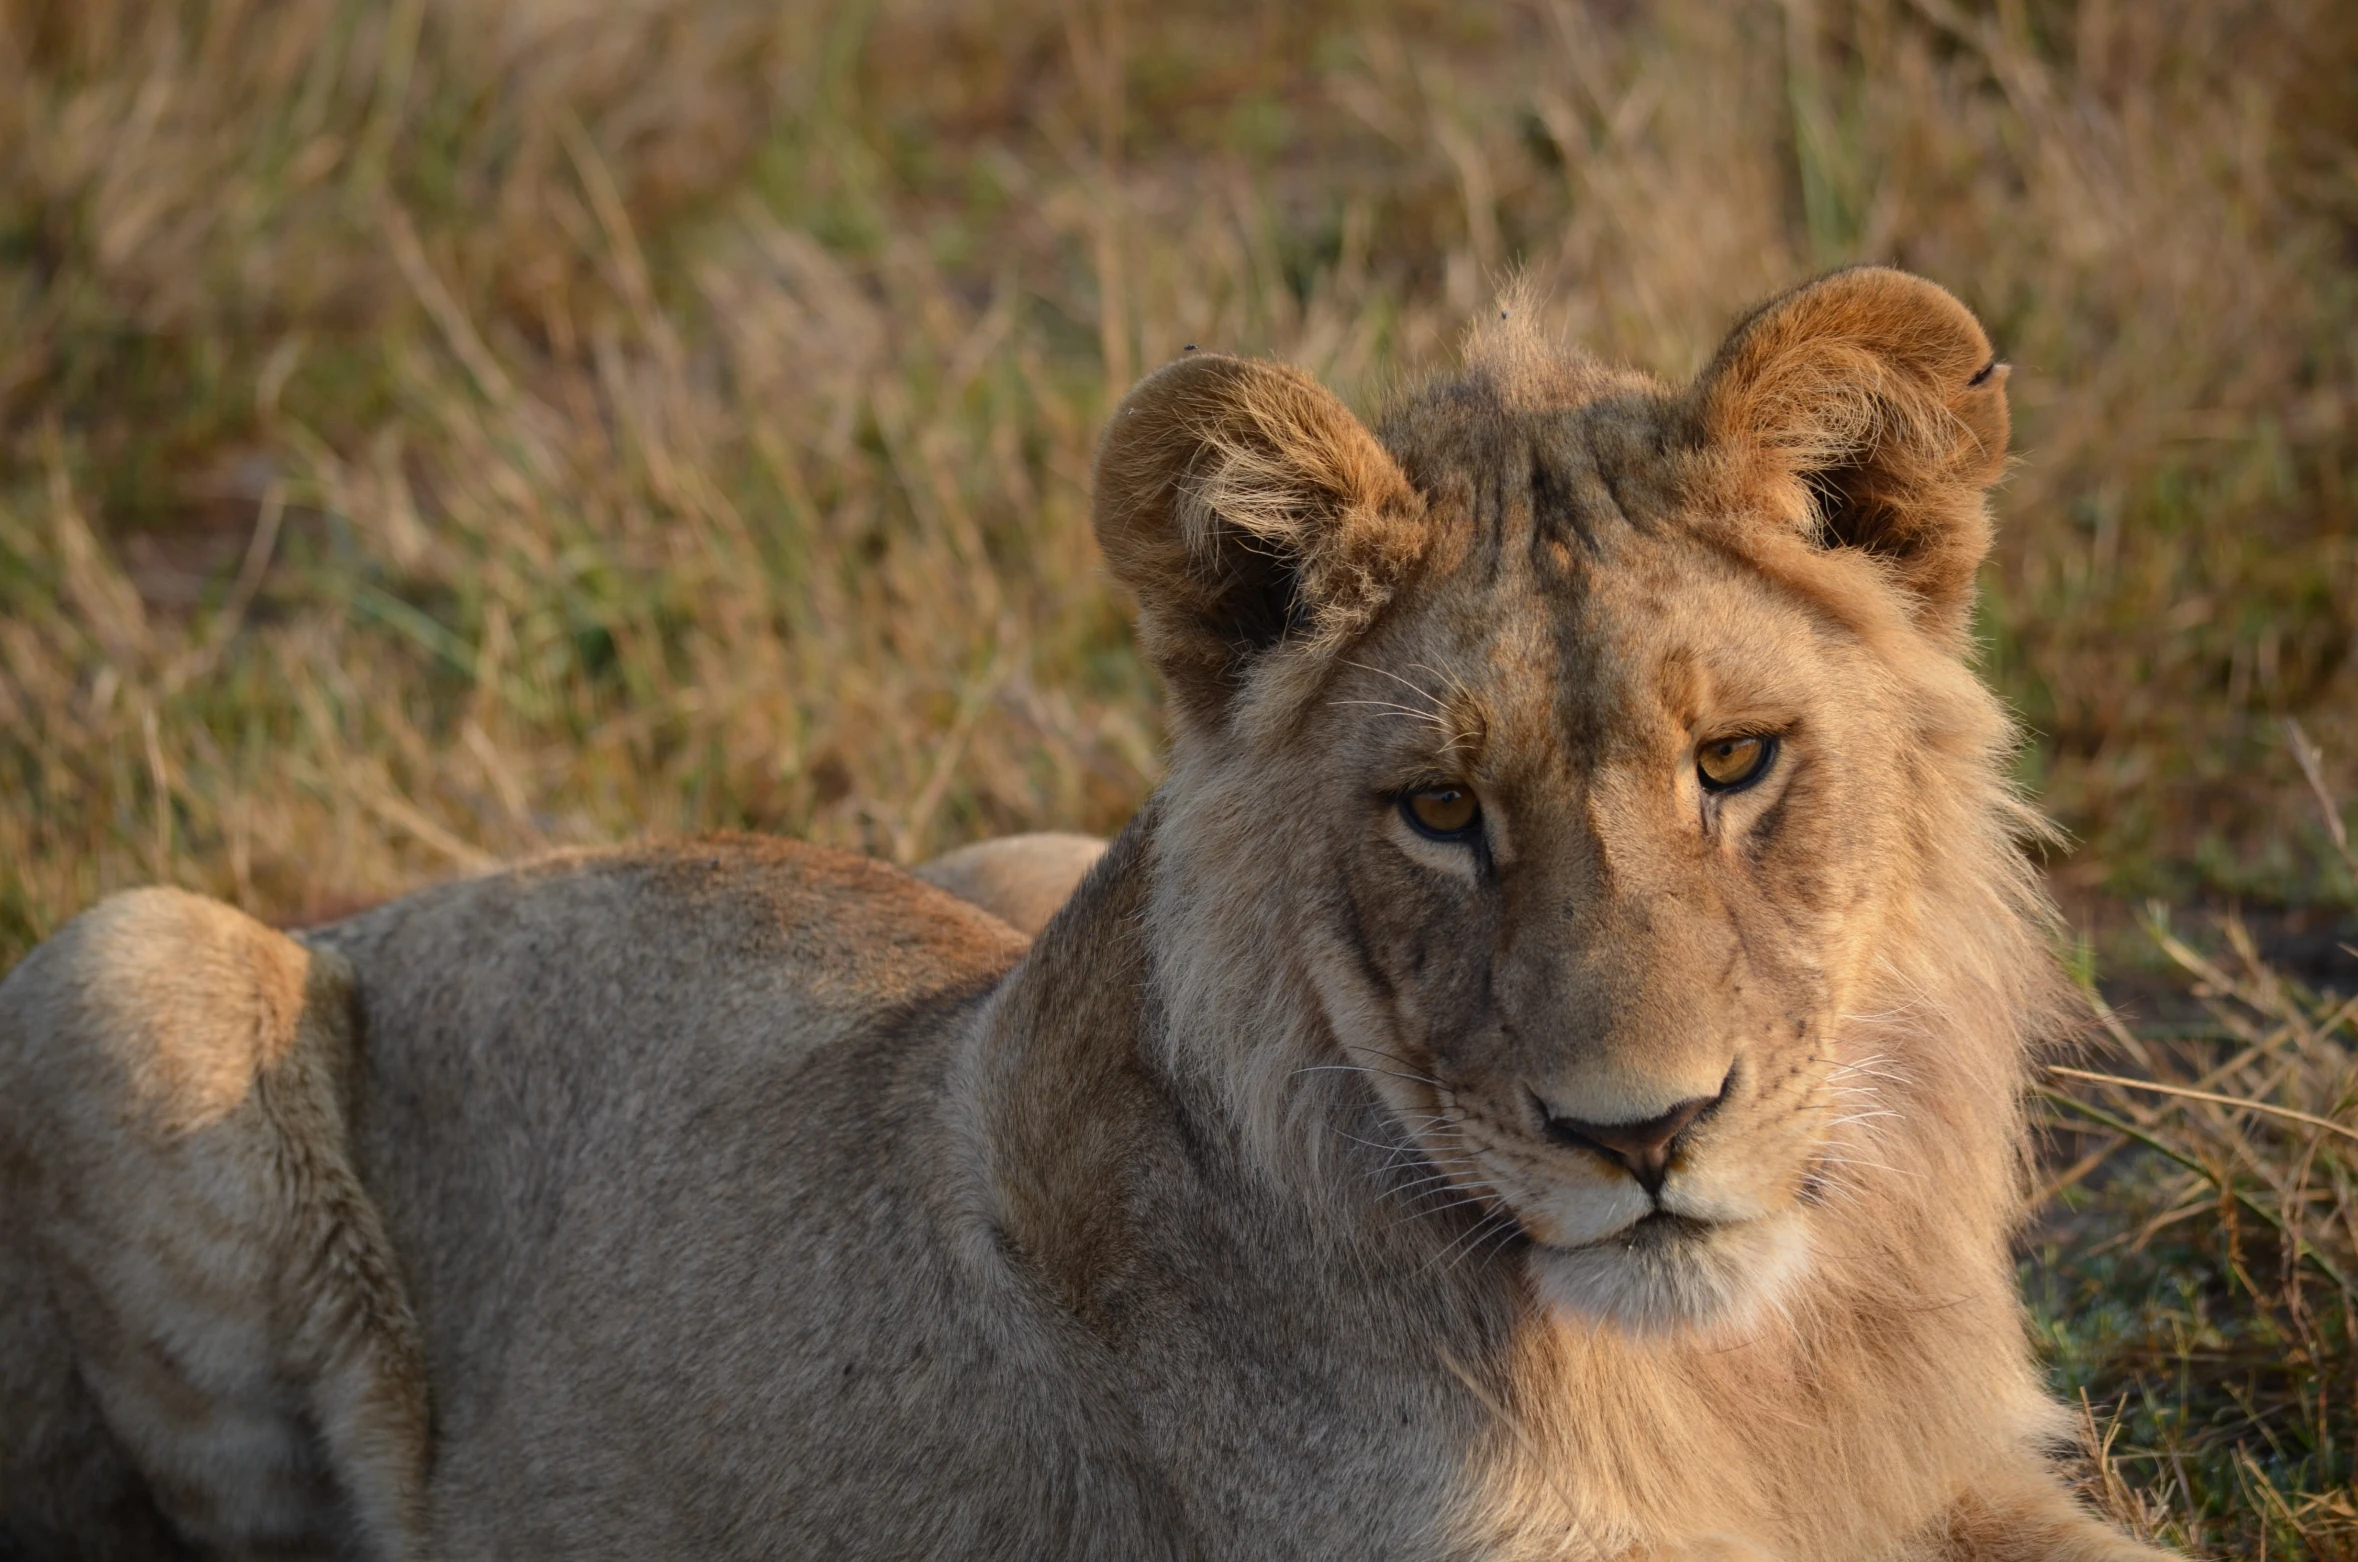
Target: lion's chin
1664,1274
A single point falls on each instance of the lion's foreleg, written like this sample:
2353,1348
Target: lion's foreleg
1708,1548
185,1212
2029,1518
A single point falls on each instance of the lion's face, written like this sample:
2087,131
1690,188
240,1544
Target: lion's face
1608,831
1581,829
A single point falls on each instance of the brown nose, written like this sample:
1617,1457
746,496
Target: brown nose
1644,1148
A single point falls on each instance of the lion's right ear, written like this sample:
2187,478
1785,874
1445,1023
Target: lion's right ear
1248,511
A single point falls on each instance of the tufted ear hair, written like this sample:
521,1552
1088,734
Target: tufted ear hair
1247,510
1869,406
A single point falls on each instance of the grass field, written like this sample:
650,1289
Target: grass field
435,430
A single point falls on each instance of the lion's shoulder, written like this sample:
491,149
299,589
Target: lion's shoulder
570,1005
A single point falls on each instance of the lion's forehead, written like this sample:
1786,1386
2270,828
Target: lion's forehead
1625,652
1556,490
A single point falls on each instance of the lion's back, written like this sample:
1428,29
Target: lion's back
851,932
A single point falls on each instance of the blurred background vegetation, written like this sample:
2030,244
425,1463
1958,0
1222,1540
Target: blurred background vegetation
433,430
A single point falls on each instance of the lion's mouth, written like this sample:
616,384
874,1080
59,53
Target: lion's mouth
1668,1270
1657,1231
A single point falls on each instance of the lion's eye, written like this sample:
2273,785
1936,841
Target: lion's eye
1729,763
1445,813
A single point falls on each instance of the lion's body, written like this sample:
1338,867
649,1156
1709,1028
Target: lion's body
766,1097
1290,1194
673,1151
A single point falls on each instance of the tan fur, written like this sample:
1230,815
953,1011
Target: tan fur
756,1200
1020,879
176,1166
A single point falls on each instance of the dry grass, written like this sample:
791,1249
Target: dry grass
2197,1263
435,429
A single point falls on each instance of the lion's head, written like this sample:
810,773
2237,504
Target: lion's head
1582,822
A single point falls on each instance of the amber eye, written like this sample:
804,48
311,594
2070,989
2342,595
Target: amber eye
1729,763
1446,813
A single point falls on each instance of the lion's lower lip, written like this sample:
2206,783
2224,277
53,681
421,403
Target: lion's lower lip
1651,1232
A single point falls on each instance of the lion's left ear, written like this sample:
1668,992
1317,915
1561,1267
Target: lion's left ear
1869,406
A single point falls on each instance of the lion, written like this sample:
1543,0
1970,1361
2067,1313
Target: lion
1020,879
1542,1076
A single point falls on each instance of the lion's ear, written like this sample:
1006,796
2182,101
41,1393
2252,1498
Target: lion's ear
1248,510
1869,406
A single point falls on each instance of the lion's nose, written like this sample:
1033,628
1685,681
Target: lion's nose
1643,1147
